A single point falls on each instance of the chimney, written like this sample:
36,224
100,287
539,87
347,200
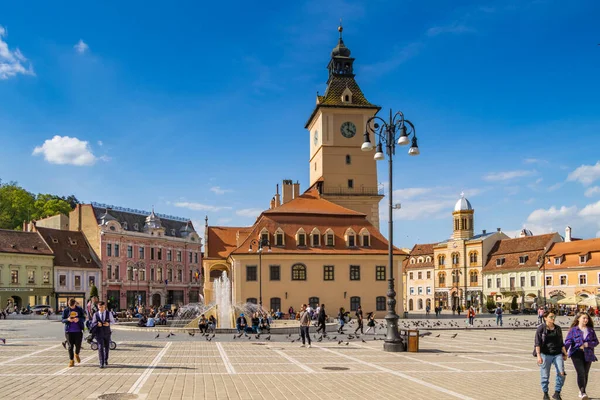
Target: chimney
484,231
296,189
272,204
568,234
277,197
499,229
287,190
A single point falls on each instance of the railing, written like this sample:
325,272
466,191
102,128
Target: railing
359,191
511,289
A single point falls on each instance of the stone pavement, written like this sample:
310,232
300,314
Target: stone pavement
476,364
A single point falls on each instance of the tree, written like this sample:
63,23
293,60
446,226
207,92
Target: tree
513,303
93,291
16,205
491,304
47,205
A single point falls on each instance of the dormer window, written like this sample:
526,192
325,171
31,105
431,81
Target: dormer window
499,261
329,238
412,261
124,225
420,260
279,238
428,259
557,260
523,259
346,96
301,239
172,232
366,240
136,227
351,241
583,258
316,237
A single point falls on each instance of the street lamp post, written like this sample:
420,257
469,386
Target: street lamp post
261,243
543,277
136,269
386,135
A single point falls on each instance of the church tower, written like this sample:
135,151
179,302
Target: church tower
463,219
341,172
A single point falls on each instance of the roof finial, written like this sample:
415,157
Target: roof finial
462,194
206,220
340,29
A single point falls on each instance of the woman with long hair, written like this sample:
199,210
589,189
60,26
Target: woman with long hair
580,343
549,349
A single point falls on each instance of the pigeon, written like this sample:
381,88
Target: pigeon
171,333
363,340
494,338
157,336
234,337
340,341
438,335
347,343
268,337
168,336
453,336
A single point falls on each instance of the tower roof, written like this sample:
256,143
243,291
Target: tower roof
463,204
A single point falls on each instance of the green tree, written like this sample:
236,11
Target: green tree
16,205
513,304
491,304
93,291
47,205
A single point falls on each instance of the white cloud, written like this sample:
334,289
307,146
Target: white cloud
508,175
219,191
590,192
585,222
529,201
67,150
249,212
14,62
455,27
81,47
100,143
409,193
199,206
554,187
585,174
534,161
591,210
223,221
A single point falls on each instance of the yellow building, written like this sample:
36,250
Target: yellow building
513,270
572,268
459,260
25,269
419,278
325,243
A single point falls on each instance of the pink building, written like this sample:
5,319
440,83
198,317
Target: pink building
147,258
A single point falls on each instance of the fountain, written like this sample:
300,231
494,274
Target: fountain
222,289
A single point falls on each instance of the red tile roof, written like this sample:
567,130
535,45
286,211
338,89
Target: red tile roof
222,240
512,249
572,250
420,250
22,242
311,203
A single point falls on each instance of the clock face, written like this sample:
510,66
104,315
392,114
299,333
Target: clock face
348,129
316,137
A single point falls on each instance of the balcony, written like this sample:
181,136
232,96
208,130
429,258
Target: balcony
511,289
359,191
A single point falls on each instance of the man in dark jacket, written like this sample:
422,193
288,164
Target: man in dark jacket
241,323
321,317
73,317
101,322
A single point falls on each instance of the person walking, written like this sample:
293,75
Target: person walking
498,313
580,342
359,320
550,350
341,319
540,314
321,318
304,325
371,323
73,317
471,316
101,322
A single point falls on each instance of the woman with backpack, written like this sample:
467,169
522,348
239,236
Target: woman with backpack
549,350
580,342
342,319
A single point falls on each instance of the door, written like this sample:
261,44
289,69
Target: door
156,300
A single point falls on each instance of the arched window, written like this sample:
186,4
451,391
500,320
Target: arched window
420,304
455,258
354,303
313,302
413,261
455,277
442,279
441,261
380,302
159,274
428,303
473,257
348,159
130,274
109,272
117,274
410,305
298,272
252,300
474,277
170,274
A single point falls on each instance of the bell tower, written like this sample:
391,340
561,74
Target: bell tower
463,219
341,172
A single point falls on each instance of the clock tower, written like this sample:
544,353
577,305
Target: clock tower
341,172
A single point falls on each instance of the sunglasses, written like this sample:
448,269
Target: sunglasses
551,317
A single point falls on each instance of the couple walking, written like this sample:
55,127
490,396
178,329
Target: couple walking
551,349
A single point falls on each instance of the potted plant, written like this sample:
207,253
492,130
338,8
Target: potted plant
490,305
514,307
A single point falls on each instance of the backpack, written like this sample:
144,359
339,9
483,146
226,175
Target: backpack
544,332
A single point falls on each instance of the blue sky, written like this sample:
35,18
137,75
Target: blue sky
200,109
